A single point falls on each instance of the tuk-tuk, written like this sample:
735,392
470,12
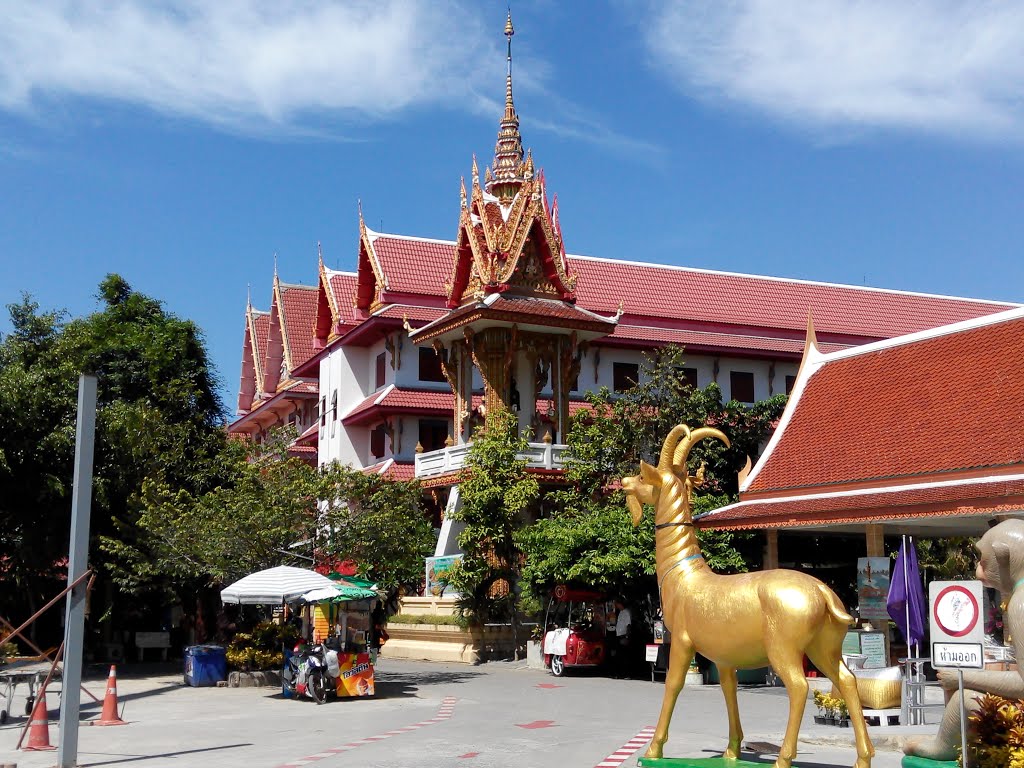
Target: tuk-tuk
575,627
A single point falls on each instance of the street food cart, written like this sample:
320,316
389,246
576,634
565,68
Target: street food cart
342,620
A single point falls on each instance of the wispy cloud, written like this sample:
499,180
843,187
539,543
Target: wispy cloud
239,62
946,66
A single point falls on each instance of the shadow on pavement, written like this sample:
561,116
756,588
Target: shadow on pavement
392,685
139,758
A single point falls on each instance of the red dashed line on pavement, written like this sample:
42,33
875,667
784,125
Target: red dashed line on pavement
620,755
444,713
469,754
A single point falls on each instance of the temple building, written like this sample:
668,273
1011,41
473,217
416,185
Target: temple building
389,367
919,435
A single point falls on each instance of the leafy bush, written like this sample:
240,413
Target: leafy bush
998,740
7,650
402,618
261,648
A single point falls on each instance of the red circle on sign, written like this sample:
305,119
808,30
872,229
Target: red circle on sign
974,604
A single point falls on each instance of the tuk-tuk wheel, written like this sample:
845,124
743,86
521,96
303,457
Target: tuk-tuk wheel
557,666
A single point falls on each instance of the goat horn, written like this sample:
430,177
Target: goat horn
677,434
682,450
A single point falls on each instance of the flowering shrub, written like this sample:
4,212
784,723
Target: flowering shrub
261,648
998,740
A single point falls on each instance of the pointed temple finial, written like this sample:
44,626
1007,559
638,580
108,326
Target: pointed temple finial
248,296
359,205
320,254
508,173
462,191
476,172
275,266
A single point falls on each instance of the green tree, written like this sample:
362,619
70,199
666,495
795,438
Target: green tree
589,538
264,513
158,416
379,525
497,498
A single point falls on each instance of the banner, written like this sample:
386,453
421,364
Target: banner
356,676
436,569
873,588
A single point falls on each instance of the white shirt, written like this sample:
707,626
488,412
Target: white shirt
622,623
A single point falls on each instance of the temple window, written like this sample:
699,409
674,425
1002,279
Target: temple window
433,433
377,436
790,383
625,376
323,411
381,365
334,411
430,366
741,386
690,375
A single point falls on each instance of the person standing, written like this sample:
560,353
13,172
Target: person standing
623,635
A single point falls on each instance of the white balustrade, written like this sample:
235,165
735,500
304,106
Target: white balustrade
444,460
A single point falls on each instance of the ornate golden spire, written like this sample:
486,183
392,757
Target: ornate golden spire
508,151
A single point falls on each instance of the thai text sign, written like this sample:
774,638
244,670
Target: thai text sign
957,630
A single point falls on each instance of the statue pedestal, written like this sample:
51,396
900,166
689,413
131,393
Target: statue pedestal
913,761
704,762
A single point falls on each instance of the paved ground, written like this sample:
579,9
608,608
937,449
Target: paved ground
430,714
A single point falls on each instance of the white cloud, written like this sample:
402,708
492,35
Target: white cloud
934,65
240,62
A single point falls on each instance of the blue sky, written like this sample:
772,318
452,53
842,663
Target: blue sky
183,143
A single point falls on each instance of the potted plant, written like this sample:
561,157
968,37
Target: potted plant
819,702
842,713
831,707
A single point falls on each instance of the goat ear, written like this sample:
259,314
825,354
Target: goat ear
650,474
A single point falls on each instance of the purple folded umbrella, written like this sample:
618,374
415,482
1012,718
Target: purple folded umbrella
906,603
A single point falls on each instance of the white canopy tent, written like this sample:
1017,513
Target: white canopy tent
275,586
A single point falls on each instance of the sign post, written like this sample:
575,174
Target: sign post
958,635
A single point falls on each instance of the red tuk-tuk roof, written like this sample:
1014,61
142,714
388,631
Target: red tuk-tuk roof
566,593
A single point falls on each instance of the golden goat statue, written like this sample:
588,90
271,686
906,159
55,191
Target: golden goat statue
742,621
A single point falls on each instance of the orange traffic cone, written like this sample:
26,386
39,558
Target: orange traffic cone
39,728
109,715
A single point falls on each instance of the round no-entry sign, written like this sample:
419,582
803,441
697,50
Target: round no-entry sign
956,611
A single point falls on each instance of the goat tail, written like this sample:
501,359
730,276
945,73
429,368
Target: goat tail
835,606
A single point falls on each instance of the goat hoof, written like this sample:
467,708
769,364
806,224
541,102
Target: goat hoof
653,751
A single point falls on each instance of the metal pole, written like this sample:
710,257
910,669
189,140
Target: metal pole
74,625
963,717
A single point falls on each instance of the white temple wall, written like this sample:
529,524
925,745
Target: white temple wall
344,376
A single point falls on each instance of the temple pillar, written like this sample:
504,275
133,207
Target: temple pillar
874,535
524,387
493,351
771,550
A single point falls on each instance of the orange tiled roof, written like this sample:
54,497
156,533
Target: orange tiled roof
940,404
928,424
985,498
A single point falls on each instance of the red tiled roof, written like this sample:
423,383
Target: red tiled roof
310,436
396,471
986,498
262,323
706,339
401,311
414,266
299,319
521,310
940,404
395,400
343,286
685,294
717,297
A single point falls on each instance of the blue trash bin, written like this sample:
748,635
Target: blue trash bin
205,665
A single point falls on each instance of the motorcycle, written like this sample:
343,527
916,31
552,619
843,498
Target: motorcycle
311,671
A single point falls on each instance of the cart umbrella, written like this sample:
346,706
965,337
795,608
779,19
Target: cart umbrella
274,586
337,593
